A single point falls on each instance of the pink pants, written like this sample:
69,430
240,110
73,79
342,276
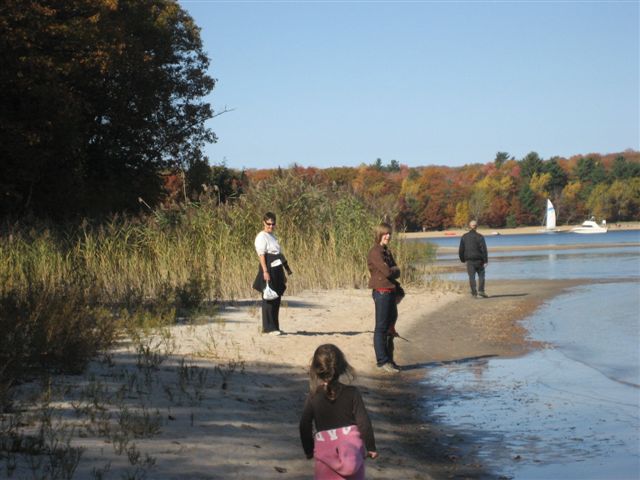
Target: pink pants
339,454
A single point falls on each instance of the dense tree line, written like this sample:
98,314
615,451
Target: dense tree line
506,192
97,97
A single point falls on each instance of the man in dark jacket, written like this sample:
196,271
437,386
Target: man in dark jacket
473,251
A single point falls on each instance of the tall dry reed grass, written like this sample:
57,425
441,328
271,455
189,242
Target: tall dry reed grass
64,286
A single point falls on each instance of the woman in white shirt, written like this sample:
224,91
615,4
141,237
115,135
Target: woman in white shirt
271,272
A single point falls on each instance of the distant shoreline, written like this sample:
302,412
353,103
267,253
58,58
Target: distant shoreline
457,232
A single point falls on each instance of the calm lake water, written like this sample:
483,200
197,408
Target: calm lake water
572,410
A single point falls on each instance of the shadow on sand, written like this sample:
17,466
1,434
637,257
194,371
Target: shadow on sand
311,334
224,421
505,295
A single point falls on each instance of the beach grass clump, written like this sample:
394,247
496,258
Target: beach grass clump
200,252
49,326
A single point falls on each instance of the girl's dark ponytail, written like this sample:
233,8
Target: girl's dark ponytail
327,366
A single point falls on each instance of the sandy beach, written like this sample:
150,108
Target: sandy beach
220,400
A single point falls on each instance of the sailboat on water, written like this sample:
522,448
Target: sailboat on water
550,219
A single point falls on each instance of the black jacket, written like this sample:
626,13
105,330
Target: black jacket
473,247
278,278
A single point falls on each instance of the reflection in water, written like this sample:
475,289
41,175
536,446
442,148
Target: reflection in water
552,264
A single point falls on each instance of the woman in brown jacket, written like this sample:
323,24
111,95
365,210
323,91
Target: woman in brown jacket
386,295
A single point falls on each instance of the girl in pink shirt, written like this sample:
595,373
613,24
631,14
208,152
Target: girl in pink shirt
343,432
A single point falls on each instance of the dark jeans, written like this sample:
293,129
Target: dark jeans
270,313
386,316
473,267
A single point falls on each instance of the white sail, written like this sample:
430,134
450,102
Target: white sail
551,216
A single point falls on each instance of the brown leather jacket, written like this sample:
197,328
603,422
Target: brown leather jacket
382,267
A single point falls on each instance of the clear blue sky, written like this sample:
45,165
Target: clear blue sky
330,84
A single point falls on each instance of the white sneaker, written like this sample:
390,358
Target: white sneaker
275,332
389,368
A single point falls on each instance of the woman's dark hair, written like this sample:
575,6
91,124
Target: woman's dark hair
382,230
327,365
269,216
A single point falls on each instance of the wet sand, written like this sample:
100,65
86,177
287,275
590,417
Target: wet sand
463,331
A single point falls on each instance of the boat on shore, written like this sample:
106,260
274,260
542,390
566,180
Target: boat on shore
550,219
590,226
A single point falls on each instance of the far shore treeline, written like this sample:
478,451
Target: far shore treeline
111,216
505,192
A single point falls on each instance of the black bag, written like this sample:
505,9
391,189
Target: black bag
399,293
